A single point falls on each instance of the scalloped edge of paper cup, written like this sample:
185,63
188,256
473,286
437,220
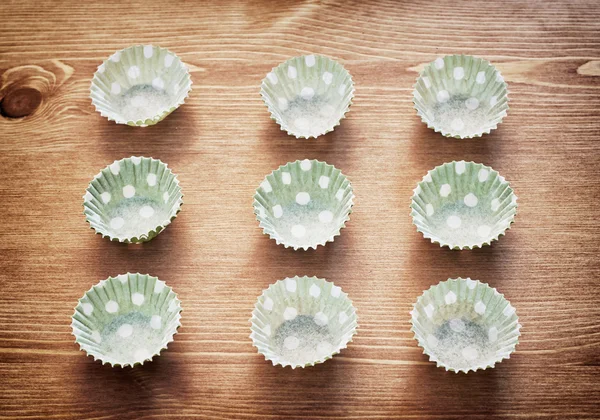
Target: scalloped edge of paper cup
90,213
505,355
257,331
274,115
75,330
502,111
348,191
414,214
98,94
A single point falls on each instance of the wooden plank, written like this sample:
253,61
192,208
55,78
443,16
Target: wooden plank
221,144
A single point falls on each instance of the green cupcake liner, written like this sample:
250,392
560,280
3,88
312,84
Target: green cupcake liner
126,320
308,96
304,204
140,85
463,205
461,96
302,321
464,325
132,200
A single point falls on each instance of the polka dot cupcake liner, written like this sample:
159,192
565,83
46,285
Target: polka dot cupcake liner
461,96
140,85
463,205
304,204
464,325
132,200
308,96
126,320
302,321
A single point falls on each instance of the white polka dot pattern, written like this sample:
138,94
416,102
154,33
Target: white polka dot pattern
307,93
480,79
321,319
290,313
151,179
459,205
470,200
459,73
464,328
450,298
308,96
454,222
298,231
453,96
472,103
325,216
156,322
122,322
480,308
291,343
457,124
303,198
134,72
137,299
88,308
148,51
120,87
125,330
304,327
117,223
128,191
445,190
292,72
111,306
291,285
324,181
443,96
429,209
300,222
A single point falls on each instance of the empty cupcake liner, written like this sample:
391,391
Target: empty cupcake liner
302,321
126,320
463,205
308,96
132,200
464,325
304,204
140,85
461,96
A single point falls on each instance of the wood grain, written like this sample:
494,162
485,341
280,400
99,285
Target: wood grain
222,143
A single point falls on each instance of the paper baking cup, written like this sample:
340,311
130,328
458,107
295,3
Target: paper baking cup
140,85
308,95
304,204
132,200
465,325
302,321
461,96
463,205
126,320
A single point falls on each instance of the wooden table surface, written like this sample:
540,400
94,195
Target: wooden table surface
221,143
